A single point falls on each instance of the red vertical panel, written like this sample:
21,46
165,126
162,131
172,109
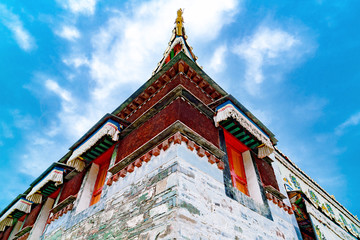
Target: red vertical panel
267,173
7,233
72,187
31,218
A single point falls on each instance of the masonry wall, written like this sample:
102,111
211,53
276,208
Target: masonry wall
175,195
213,215
294,180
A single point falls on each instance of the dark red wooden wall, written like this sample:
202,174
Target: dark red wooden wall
266,172
72,187
31,218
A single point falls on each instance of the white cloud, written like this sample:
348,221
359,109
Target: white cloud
6,131
69,32
266,47
86,7
217,62
128,43
123,53
22,121
62,93
14,24
66,99
353,120
126,49
310,109
33,161
76,61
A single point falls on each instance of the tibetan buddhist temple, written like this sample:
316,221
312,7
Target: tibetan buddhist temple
180,159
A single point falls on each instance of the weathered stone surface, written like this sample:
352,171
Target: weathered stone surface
176,195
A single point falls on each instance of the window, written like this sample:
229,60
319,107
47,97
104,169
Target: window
100,180
93,182
103,162
235,151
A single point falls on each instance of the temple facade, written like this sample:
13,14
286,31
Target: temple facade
179,159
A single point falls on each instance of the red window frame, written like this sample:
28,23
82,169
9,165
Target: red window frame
234,150
103,161
99,184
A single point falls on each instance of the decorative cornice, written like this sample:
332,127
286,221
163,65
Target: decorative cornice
279,202
177,126
177,138
56,213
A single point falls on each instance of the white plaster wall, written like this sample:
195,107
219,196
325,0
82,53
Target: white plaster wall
40,223
201,211
218,216
275,209
87,189
328,228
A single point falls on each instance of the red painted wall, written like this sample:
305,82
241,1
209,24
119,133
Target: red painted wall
7,233
177,80
31,218
72,187
266,172
177,110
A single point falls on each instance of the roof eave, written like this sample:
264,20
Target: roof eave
247,113
11,204
164,69
97,126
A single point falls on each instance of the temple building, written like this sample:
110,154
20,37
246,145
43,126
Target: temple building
179,159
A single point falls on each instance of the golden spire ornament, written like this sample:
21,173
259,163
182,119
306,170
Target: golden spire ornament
179,23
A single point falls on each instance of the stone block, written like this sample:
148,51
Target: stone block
177,138
116,177
156,151
165,145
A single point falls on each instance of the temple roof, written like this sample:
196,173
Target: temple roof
178,42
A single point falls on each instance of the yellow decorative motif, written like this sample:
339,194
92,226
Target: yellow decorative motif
179,23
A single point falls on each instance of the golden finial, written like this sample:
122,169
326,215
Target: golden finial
179,22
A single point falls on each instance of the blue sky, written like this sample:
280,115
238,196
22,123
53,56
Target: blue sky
294,64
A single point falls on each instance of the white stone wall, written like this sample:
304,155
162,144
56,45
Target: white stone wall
175,195
217,216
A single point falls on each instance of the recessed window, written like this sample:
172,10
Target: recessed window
102,162
235,150
99,184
